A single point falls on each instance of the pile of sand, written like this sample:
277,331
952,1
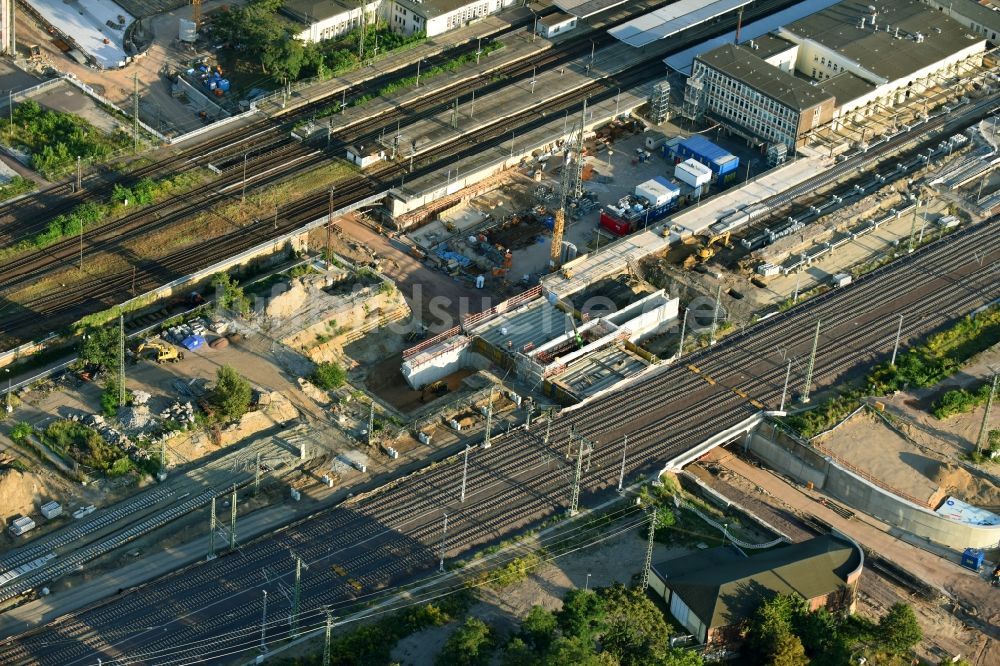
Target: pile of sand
288,303
20,493
275,409
968,487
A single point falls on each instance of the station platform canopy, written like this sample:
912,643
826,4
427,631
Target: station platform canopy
585,8
672,19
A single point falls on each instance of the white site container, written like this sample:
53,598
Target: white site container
693,173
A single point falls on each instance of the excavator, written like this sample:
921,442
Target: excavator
164,353
706,250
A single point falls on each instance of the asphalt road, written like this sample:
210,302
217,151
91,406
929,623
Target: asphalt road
211,612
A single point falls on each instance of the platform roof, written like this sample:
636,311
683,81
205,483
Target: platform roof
585,8
672,19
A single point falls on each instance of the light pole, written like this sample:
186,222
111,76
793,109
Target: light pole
418,72
586,586
263,624
10,408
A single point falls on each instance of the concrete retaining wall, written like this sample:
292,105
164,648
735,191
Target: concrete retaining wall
799,461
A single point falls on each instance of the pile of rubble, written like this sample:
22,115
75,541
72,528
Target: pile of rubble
181,412
177,334
111,435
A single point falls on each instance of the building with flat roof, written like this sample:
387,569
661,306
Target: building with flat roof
553,24
843,58
327,19
435,17
982,19
712,593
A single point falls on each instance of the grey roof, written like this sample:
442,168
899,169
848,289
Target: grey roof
838,28
846,87
585,8
768,45
983,14
743,64
722,587
555,18
311,11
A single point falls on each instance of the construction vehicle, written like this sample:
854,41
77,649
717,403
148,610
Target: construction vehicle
706,249
164,352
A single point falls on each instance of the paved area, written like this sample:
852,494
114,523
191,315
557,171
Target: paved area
977,600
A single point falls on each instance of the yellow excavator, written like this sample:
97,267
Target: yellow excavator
706,250
164,353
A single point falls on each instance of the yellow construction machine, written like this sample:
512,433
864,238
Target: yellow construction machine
706,249
164,352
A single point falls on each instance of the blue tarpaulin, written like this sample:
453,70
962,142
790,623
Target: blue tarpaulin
192,342
459,259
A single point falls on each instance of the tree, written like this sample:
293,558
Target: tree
232,394
538,627
100,347
770,623
898,630
582,614
634,629
788,651
328,376
110,397
469,645
230,293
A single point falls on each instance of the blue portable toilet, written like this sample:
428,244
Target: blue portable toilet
973,559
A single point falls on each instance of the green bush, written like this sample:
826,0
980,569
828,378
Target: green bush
328,376
16,186
959,401
21,432
83,444
230,294
232,394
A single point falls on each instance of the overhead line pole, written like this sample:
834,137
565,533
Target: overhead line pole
621,475
489,422
812,364
444,537
649,551
232,521
895,346
121,359
211,533
465,472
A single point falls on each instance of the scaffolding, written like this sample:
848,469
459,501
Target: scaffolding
659,103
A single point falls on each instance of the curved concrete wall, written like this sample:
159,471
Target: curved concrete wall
805,464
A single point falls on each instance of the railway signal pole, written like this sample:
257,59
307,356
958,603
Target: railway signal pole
715,316
985,428
583,442
621,474
121,360
784,391
895,346
371,423
649,551
256,477
135,113
263,624
680,347
465,472
326,639
211,533
812,363
489,422
296,596
232,521
444,536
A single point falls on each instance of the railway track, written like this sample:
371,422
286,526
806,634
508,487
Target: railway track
381,539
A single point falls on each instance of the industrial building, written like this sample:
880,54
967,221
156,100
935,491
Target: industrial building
712,593
981,19
848,57
327,19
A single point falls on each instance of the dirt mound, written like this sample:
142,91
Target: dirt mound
19,493
966,486
287,303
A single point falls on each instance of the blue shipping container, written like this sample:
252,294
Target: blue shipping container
701,149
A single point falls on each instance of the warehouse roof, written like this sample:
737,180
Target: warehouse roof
846,87
910,35
311,11
742,63
722,586
431,8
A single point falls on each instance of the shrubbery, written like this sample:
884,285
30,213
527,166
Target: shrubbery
959,401
87,447
328,376
232,394
16,186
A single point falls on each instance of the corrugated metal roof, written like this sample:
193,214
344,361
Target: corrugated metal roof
698,144
672,19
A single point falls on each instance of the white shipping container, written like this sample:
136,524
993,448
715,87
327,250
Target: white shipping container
22,525
693,173
655,193
51,509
